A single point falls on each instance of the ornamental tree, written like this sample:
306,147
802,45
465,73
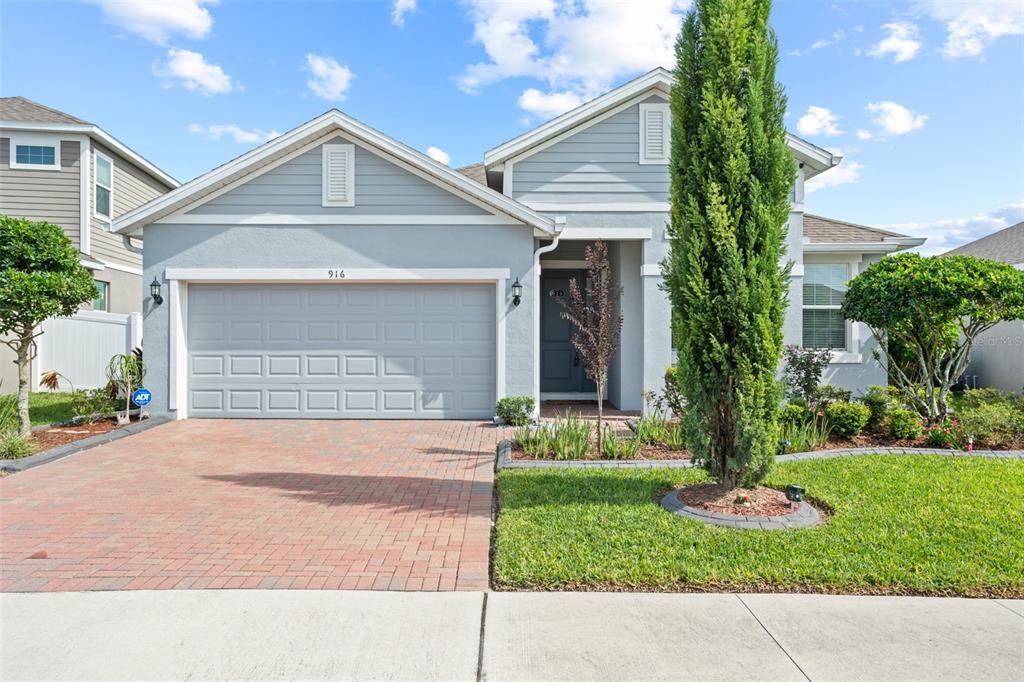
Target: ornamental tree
932,310
730,179
40,277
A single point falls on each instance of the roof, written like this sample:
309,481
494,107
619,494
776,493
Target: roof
819,229
1006,245
475,171
322,127
815,158
21,113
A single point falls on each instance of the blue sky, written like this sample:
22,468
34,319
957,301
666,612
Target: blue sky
924,99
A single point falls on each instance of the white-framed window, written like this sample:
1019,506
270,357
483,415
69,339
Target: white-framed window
35,152
103,194
655,138
102,302
823,290
339,171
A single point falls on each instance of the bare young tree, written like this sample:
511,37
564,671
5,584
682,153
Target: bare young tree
591,310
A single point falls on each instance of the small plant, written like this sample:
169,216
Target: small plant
673,395
675,436
804,435
847,419
997,424
534,442
945,435
904,424
570,437
13,445
792,413
651,430
804,367
8,411
976,397
515,410
125,372
877,400
90,404
614,447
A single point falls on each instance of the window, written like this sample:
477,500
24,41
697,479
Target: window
339,175
655,140
104,187
824,288
101,302
35,152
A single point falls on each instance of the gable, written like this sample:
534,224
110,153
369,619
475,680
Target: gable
295,187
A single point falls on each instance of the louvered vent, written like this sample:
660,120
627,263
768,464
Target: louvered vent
654,133
339,175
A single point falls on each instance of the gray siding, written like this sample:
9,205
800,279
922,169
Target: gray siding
43,194
597,164
382,188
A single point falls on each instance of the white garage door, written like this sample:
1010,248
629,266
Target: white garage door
336,351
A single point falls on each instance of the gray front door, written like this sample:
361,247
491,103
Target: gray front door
335,351
561,368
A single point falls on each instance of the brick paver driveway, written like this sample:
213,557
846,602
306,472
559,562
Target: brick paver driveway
401,505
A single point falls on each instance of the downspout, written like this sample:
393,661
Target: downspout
559,226
126,239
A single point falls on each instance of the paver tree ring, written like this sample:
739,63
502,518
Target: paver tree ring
805,516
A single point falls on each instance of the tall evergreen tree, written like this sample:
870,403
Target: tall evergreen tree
731,174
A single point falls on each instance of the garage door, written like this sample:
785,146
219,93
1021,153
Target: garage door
336,351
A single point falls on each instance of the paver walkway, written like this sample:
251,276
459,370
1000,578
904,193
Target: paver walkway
397,505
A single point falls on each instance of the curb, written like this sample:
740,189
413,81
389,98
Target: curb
62,451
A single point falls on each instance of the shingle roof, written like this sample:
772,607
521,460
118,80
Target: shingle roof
821,230
474,172
1006,245
22,109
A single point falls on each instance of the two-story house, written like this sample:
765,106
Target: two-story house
334,272
61,169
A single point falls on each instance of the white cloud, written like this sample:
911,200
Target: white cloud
580,46
330,80
974,25
548,105
195,73
820,43
399,9
845,173
895,119
439,155
864,134
158,20
944,235
903,42
818,121
218,130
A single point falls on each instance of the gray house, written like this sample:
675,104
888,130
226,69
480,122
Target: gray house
335,273
61,169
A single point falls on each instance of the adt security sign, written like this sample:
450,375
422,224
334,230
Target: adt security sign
142,397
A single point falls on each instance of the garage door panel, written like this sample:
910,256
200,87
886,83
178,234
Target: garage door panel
337,351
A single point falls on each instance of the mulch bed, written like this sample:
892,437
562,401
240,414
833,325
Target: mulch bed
54,436
645,452
758,501
877,440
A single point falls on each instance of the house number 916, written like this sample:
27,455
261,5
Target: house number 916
335,274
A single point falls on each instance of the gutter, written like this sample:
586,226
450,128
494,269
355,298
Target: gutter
559,228
126,239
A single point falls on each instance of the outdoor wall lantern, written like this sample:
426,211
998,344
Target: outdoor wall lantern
517,292
154,292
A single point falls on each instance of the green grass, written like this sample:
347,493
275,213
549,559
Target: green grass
49,408
909,525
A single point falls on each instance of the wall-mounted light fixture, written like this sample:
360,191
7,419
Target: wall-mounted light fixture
154,292
517,292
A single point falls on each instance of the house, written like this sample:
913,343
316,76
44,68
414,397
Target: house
61,169
334,272
997,358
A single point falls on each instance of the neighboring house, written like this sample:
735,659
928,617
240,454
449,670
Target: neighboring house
61,169
334,272
997,358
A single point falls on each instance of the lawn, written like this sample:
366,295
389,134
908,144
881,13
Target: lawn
901,525
49,408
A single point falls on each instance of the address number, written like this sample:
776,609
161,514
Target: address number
335,274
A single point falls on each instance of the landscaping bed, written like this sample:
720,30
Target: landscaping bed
922,524
569,437
54,435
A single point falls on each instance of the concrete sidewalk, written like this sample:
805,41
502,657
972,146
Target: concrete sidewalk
293,634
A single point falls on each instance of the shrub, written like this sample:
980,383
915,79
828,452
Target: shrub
826,394
793,413
803,435
515,410
91,403
13,445
904,423
804,367
570,437
976,397
534,442
944,435
847,419
673,395
995,424
877,401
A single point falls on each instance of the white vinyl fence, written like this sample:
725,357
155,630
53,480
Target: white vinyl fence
80,347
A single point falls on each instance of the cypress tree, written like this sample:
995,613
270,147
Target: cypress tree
731,174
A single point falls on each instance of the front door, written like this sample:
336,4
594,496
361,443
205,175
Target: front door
561,368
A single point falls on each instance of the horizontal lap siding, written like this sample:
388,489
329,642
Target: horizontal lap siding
382,188
42,194
598,164
132,188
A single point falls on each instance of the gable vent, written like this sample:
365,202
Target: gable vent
654,133
339,175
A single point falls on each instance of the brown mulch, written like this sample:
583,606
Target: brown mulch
54,436
645,452
759,501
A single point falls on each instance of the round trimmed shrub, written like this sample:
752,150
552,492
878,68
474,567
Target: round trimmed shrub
793,413
515,410
847,419
877,401
904,423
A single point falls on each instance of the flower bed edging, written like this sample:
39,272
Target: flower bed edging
805,516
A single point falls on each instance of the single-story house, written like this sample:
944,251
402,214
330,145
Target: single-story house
334,272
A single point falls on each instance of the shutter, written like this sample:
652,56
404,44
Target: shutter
338,172
654,136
